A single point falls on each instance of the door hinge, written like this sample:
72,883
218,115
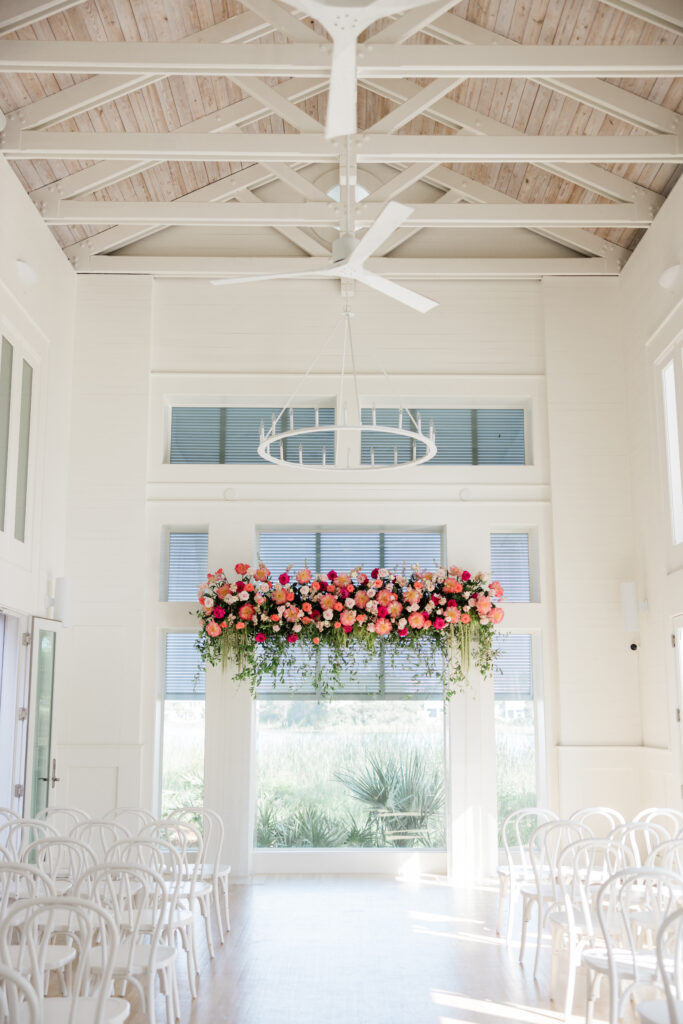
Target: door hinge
678,714
26,639
18,790
22,714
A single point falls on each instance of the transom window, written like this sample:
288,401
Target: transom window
464,437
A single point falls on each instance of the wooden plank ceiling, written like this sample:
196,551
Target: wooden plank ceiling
170,103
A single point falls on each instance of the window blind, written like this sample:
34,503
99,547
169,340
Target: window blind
510,564
184,679
388,674
231,435
188,562
513,675
468,437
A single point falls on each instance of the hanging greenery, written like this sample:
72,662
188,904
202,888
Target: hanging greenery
317,627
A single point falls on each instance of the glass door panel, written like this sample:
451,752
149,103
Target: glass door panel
41,775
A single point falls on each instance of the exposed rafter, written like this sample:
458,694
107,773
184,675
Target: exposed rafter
665,14
372,149
16,14
326,214
305,60
604,96
400,269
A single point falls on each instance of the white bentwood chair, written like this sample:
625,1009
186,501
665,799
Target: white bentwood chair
17,835
100,836
600,820
667,817
212,869
19,1003
30,924
642,837
134,819
62,819
139,902
516,831
632,905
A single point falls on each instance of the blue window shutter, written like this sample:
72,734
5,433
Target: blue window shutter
231,435
510,564
188,563
513,677
184,678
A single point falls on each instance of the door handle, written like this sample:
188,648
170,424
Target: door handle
54,772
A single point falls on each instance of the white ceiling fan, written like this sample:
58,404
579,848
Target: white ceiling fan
348,261
345,22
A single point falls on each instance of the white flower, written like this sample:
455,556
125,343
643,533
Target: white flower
413,607
402,623
371,592
208,602
244,596
305,591
276,629
471,602
328,614
349,602
297,628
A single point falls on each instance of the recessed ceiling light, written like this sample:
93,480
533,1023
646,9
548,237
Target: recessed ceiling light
25,272
670,277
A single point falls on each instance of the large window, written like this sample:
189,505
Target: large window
515,723
230,435
464,437
187,564
182,774
16,393
367,768
511,565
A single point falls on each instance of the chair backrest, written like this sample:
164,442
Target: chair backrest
62,819
138,900
22,881
155,854
6,814
670,962
582,867
667,817
641,836
600,820
60,858
668,855
632,905
186,841
30,927
210,825
516,831
546,845
19,995
5,854
134,819
100,835
17,835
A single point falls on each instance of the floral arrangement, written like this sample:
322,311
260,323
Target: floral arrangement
261,623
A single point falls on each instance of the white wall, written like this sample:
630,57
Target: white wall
38,320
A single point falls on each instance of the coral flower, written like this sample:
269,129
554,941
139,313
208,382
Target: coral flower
315,585
497,615
496,589
292,613
240,625
241,568
395,609
316,639
213,629
465,619
327,601
303,576
385,597
484,605
274,618
338,606
262,573
347,617
416,620
452,615
307,607
279,595
411,595
361,599
361,618
450,585
223,591
246,612
383,627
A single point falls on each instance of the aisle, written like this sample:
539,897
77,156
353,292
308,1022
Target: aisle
350,950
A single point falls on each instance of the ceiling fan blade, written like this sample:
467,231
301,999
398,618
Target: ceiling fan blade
272,277
395,291
390,219
341,102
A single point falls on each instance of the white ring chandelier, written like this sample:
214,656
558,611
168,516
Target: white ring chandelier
351,425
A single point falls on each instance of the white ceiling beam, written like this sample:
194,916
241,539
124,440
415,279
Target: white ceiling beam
278,104
412,229
305,241
665,14
456,116
396,269
616,102
314,59
399,183
16,14
475,192
372,149
325,214
406,25
79,98
237,115
282,19
416,105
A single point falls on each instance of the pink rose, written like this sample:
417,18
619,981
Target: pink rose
283,578
219,613
260,638
439,623
292,638
466,575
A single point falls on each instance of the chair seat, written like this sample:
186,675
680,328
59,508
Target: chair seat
139,962
656,1011
57,1010
221,870
560,917
646,962
531,889
56,957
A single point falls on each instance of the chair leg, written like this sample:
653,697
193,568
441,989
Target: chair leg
572,968
512,905
591,983
503,884
539,936
216,897
226,905
526,913
205,904
555,944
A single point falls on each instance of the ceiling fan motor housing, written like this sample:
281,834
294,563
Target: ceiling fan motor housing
343,246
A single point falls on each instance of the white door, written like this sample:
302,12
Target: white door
14,685
41,765
677,642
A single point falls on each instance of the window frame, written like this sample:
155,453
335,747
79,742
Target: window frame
12,548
